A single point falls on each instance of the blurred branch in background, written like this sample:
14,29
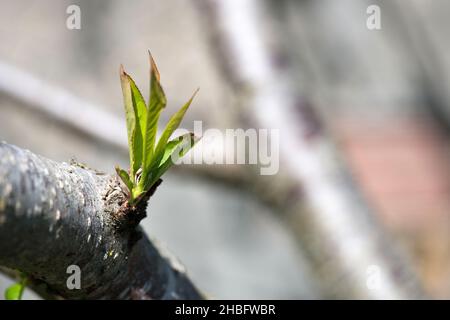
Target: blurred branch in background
62,105
432,84
326,210
86,118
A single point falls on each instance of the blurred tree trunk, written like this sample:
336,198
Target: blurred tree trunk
349,249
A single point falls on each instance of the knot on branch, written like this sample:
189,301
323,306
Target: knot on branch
116,200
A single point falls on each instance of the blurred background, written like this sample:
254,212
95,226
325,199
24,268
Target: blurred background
364,175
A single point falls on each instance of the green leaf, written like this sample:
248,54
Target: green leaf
172,144
140,110
177,147
125,178
157,102
129,114
156,91
170,147
171,126
136,113
15,291
139,105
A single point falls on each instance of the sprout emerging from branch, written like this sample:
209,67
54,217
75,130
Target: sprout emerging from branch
150,160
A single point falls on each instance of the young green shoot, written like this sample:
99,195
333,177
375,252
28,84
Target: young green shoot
150,159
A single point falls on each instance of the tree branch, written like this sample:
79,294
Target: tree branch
53,215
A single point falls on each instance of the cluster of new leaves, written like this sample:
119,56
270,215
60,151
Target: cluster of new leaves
150,160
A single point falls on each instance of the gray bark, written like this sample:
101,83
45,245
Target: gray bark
53,215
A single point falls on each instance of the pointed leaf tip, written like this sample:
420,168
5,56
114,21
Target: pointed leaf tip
153,67
195,93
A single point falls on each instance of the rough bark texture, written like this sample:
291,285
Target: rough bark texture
53,215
